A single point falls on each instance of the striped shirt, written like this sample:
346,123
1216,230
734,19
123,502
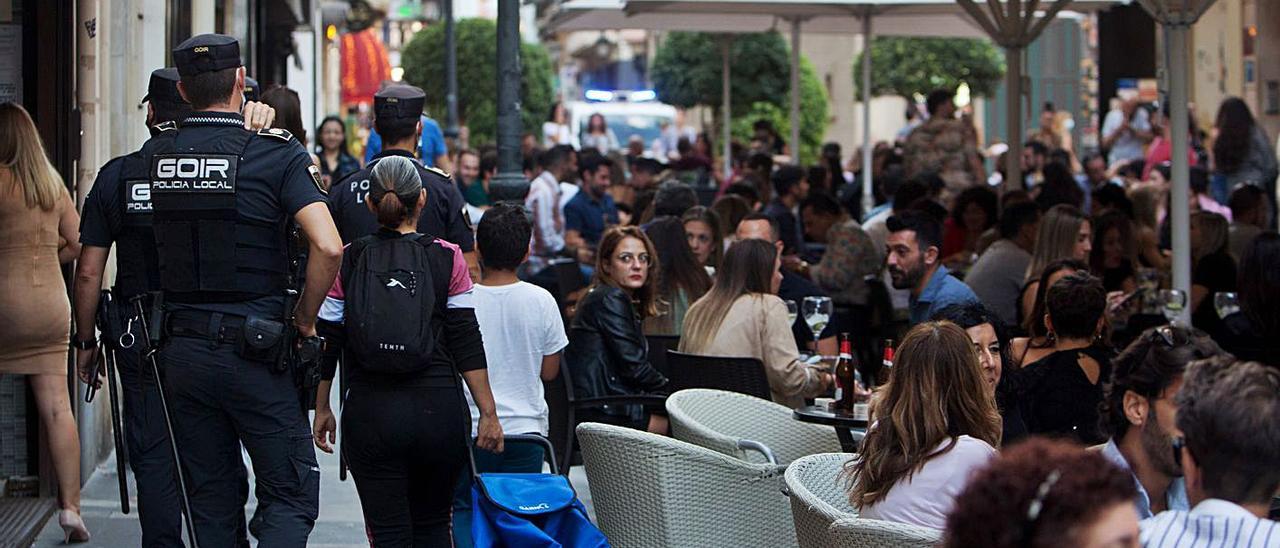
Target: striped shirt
1212,523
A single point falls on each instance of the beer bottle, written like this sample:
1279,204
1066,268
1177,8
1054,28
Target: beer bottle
886,363
846,375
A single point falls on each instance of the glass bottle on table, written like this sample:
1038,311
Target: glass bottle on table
886,363
846,371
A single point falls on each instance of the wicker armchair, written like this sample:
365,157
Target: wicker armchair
745,427
874,533
650,491
818,497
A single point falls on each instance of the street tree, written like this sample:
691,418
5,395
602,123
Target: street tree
477,39
687,69
914,66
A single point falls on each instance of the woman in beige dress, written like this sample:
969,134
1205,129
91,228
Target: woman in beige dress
39,232
742,316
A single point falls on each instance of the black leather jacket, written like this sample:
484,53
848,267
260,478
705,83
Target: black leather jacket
607,353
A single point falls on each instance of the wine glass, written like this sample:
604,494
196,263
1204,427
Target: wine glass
1173,302
793,311
1226,303
817,312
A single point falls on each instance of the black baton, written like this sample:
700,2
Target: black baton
149,354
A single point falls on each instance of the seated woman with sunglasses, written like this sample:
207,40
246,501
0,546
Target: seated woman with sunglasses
935,422
608,354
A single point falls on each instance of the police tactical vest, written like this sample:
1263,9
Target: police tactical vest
208,252
138,264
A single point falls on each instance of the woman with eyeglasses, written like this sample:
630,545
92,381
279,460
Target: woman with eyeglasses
743,316
608,354
1045,493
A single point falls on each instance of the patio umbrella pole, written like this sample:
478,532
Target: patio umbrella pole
1013,104
795,91
867,148
725,134
1176,53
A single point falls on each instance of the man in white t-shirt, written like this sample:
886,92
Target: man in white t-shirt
523,336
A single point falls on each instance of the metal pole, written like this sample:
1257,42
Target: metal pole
1013,100
1176,46
510,183
725,97
867,148
450,72
795,91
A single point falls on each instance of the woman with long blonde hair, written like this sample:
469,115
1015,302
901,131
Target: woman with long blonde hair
935,422
1065,233
741,316
39,231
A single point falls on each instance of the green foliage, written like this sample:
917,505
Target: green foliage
916,66
477,41
687,72
813,115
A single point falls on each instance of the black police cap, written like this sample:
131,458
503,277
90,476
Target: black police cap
164,86
399,101
206,53
251,89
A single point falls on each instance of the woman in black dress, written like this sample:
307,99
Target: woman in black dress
1059,393
1212,269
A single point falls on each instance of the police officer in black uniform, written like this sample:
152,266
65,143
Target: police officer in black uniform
397,109
118,211
221,199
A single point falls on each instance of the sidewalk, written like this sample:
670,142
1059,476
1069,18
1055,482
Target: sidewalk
340,525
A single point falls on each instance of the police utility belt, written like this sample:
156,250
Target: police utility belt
256,338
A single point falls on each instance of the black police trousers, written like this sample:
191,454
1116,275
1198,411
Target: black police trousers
405,447
220,401
150,457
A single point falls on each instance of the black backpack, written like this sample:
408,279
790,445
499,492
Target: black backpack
396,290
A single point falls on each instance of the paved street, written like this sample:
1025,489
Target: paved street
340,523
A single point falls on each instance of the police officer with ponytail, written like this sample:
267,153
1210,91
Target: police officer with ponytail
404,312
223,198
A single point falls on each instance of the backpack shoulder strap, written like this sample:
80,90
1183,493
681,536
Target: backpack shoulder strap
440,264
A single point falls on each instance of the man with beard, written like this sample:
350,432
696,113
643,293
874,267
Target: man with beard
1140,411
914,262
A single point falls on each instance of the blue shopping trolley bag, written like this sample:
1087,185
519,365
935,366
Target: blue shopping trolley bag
529,510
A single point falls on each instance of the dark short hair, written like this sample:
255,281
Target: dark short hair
928,228
502,236
209,88
1036,147
937,98
673,198
744,190
555,156
981,195
168,111
1229,414
1017,216
786,178
760,162
647,165
1198,178
1109,195
488,161
909,192
592,162
1246,199
774,228
1148,366
1059,187
821,203
394,129
1075,303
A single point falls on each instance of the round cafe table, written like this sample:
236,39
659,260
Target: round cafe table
845,422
